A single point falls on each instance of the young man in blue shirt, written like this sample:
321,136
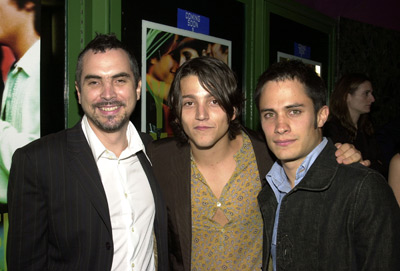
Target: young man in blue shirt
321,215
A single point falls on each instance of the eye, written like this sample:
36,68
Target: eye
295,112
187,103
120,81
268,115
92,83
187,55
214,102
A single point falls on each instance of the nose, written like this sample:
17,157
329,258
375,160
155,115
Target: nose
281,126
372,98
108,92
201,112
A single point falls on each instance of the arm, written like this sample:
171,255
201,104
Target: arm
376,225
394,176
27,236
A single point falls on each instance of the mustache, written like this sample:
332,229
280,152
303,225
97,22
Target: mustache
113,103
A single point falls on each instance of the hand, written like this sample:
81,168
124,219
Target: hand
348,154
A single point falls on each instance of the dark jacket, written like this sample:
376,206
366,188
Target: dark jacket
366,144
58,211
337,218
171,163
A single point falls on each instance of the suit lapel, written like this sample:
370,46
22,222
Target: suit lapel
182,203
83,168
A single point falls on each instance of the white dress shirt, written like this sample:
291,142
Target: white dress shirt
21,108
130,201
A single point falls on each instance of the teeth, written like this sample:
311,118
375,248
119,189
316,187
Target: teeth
109,108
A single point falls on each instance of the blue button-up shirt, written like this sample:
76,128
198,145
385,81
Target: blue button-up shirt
280,184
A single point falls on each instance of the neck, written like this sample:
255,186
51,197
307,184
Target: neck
23,39
115,142
354,117
224,148
290,169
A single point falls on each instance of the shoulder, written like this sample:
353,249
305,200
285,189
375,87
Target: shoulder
254,135
264,157
394,168
165,143
56,140
165,148
395,159
46,140
366,182
146,138
332,124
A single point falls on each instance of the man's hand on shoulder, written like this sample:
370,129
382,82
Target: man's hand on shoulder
348,154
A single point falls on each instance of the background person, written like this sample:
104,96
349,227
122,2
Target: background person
394,175
348,121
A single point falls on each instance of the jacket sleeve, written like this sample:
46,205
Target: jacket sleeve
27,236
376,225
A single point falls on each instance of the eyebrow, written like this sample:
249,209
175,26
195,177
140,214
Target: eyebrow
191,96
121,74
290,106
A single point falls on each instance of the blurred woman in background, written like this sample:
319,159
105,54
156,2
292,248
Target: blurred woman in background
348,120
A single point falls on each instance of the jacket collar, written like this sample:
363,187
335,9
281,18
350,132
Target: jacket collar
84,170
321,174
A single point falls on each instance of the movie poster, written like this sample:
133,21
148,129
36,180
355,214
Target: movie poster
164,49
19,92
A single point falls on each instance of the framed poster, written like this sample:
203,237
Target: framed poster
313,64
164,49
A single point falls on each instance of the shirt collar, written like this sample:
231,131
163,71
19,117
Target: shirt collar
277,178
135,143
29,61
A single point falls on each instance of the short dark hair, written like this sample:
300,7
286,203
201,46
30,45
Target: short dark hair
219,80
102,43
294,70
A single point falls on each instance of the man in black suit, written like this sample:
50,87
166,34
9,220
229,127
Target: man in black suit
86,197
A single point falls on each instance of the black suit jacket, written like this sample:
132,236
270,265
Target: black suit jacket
58,211
171,163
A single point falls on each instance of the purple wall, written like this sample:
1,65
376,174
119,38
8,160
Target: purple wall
384,13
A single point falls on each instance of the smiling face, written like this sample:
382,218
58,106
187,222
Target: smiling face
288,121
107,92
361,100
203,120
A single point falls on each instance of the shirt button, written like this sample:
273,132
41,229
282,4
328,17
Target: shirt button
108,246
219,204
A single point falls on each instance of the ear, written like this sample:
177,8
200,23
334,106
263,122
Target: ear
234,113
138,90
78,92
322,116
348,99
29,6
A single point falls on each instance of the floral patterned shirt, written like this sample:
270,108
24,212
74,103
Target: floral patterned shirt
238,244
